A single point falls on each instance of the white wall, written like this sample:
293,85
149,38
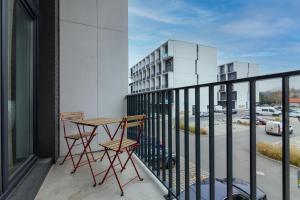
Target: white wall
93,59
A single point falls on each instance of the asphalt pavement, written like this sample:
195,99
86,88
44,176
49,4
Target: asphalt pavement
269,172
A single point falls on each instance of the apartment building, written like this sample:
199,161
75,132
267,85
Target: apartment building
236,70
175,64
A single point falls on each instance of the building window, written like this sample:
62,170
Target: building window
223,77
232,76
222,69
20,86
230,68
169,65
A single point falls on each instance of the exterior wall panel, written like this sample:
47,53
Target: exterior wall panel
94,46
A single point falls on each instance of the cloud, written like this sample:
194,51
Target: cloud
175,12
258,27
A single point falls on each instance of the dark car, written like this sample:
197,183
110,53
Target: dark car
169,162
259,120
241,190
234,111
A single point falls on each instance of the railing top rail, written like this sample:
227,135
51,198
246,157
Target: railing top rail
241,80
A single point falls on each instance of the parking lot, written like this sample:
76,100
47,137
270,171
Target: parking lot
269,172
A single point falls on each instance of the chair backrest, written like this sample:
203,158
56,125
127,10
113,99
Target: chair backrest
69,116
131,122
134,121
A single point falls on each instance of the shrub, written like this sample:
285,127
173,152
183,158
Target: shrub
245,123
275,152
192,128
203,131
278,119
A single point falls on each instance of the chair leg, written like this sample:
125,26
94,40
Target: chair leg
111,166
127,158
101,159
90,150
106,152
130,158
69,152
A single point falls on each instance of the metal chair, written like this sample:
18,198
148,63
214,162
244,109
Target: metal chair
121,145
72,138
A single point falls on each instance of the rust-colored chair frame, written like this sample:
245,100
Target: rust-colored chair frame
71,142
118,148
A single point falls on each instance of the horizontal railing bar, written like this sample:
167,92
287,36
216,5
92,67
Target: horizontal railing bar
241,80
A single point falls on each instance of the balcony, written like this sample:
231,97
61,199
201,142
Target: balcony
169,120
164,86
60,184
166,56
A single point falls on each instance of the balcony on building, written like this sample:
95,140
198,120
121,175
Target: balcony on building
232,75
158,69
168,65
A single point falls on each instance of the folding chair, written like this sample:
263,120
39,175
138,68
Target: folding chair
121,145
72,138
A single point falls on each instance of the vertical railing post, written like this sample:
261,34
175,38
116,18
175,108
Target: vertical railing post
145,128
229,139
158,134
211,144
197,143
143,133
138,112
128,111
153,132
170,94
285,139
177,135
186,145
252,100
163,132
149,130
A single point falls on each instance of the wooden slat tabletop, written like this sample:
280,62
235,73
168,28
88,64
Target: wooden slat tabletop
98,121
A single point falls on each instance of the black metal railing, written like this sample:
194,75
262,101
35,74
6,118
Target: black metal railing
157,139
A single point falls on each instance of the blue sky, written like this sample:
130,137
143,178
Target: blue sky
263,32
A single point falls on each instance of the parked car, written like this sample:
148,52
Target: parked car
204,114
218,109
169,162
241,190
268,111
234,111
259,120
274,127
294,113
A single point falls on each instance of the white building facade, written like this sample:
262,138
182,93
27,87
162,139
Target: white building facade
175,64
236,70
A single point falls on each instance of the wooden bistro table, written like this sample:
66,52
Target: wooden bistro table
94,123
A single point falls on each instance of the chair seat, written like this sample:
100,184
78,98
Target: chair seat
114,145
77,135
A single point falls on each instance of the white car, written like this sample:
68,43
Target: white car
268,111
274,127
294,113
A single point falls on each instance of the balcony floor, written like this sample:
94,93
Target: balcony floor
60,184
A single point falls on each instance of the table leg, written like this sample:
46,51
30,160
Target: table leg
85,146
